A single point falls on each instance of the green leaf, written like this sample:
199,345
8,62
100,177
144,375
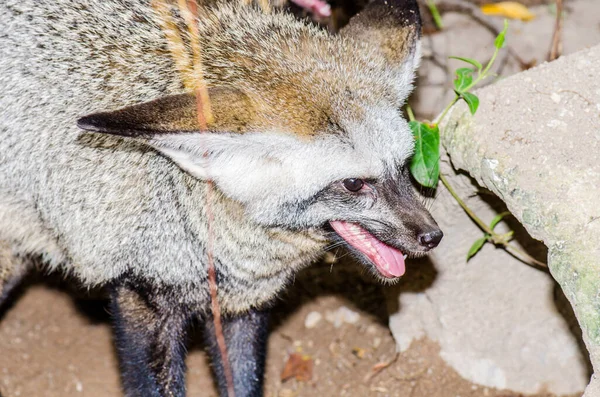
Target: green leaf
476,247
435,13
499,42
472,100
473,62
425,164
464,78
497,219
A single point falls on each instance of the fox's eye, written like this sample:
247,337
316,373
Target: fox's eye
353,184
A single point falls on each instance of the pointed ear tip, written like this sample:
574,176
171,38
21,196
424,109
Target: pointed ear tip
97,123
89,123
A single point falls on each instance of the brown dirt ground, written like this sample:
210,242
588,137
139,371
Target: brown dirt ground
54,342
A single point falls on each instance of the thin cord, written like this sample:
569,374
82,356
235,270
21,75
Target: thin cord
189,11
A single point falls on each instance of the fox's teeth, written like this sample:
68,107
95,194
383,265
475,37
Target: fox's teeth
405,256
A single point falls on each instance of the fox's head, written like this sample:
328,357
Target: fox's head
307,133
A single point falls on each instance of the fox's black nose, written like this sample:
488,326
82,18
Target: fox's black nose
431,239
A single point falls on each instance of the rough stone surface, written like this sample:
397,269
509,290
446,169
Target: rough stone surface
593,388
535,143
463,36
496,319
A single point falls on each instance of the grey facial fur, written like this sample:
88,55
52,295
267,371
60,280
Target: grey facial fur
389,210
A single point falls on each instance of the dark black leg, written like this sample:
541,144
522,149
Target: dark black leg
246,339
150,332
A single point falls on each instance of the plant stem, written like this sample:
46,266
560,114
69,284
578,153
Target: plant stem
525,257
409,111
491,236
439,120
480,76
435,13
487,67
464,206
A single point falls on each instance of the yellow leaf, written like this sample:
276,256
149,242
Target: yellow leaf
358,352
508,9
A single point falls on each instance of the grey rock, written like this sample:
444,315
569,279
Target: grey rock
495,318
312,319
535,143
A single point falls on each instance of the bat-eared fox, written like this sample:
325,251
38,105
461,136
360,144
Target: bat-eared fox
105,174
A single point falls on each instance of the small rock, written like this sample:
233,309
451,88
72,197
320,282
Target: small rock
376,342
312,319
555,97
341,316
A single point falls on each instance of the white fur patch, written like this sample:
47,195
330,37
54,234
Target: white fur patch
275,166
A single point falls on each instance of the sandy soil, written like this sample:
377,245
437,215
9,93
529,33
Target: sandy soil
55,342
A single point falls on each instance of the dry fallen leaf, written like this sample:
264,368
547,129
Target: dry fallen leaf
298,366
358,352
508,9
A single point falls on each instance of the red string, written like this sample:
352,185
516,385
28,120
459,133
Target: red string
204,117
212,274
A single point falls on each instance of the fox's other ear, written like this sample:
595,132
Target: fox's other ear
394,28
173,114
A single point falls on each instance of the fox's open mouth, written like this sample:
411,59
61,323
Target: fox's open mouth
388,260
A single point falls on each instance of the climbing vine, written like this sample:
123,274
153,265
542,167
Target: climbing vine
425,165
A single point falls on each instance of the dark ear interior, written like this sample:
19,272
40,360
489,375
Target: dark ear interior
393,26
232,109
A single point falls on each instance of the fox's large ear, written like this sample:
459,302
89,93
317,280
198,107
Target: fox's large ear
170,125
394,28
173,114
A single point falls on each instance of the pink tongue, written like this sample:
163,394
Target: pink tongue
389,261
